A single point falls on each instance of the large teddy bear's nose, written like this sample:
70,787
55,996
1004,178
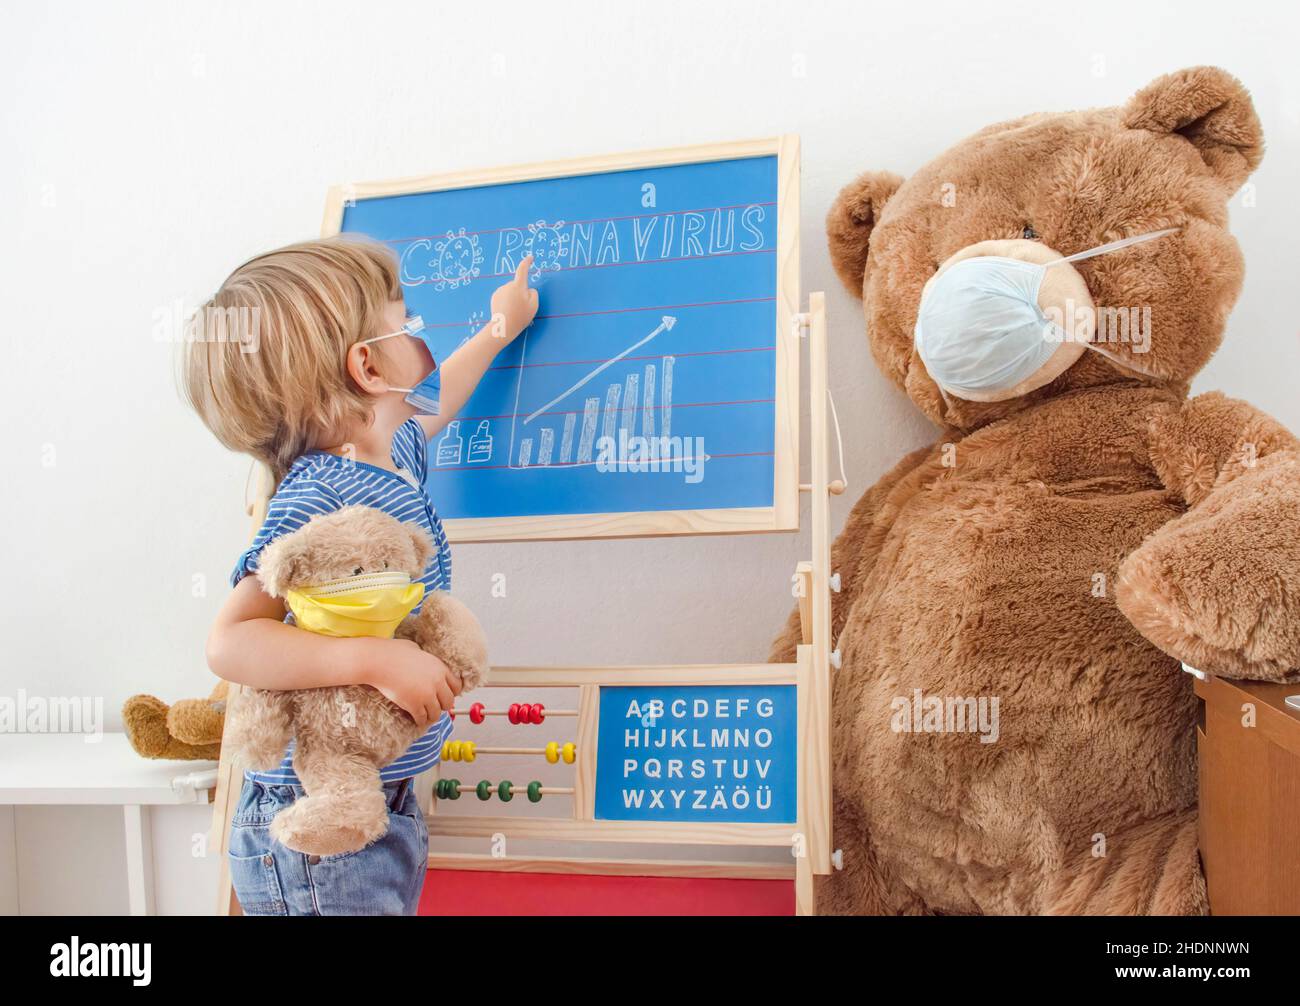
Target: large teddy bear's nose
1063,297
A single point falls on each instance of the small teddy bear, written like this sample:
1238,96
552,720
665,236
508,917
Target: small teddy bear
187,730
353,572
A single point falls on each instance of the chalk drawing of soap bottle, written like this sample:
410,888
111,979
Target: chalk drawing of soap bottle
449,447
480,444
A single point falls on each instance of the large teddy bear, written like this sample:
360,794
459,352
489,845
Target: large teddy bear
1066,543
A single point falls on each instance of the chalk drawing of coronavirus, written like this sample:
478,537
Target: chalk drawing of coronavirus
548,245
456,260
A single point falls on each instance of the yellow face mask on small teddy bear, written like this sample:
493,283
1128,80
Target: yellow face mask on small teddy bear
370,604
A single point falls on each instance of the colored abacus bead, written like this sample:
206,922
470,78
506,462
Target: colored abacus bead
536,713
476,712
570,753
535,792
467,751
483,790
505,791
512,714
552,752
448,789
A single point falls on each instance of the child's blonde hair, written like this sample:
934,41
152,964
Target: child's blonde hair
283,383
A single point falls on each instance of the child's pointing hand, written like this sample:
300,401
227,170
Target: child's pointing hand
514,304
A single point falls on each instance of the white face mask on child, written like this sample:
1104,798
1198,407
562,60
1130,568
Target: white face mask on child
424,397
980,329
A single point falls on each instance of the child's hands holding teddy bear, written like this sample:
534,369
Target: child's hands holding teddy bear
416,680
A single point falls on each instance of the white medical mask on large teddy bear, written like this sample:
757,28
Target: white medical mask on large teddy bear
985,328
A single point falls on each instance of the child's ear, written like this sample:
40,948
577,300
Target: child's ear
283,564
423,544
362,362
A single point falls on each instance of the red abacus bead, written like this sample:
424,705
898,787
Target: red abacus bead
512,714
476,712
536,713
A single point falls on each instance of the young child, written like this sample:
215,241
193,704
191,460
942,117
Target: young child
334,395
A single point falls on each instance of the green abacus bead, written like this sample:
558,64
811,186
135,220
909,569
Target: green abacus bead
504,791
535,792
484,790
453,789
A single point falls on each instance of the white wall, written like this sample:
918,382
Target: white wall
150,147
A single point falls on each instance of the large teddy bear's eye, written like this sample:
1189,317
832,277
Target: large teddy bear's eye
1029,234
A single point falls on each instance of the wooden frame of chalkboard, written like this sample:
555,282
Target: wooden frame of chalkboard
783,512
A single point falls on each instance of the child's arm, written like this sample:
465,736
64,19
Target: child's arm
514,305
250,644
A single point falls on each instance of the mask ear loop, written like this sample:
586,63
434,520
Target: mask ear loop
412,327
943,394
1124,364
1111,246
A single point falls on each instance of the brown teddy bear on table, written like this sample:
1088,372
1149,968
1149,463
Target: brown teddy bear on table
188,730
351,572
1078,529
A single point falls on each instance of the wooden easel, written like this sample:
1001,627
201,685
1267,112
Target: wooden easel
810,836
810,673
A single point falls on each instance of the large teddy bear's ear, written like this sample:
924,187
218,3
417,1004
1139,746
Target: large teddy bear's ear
851,219
1212,110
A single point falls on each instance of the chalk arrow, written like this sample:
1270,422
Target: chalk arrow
664,326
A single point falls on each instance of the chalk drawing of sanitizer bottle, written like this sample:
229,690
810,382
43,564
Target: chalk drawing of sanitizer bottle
449,447
480,444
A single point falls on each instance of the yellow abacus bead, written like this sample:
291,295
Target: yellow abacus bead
467,751
552,752
570,753
454,749
446,751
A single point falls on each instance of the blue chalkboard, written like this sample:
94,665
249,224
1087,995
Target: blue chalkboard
704,753
648,381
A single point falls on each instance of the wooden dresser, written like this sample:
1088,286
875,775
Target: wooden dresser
1250,796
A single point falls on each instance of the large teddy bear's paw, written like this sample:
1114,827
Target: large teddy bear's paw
1219,588
1150,868
331,824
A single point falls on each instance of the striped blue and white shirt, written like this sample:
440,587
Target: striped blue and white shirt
320,482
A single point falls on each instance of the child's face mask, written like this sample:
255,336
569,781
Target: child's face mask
370,604
424,396
980,330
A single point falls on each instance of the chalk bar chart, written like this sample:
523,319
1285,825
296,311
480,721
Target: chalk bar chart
651,380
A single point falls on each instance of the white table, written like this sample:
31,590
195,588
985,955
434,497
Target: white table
77,770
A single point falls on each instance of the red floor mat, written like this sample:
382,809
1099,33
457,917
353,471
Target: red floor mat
482,892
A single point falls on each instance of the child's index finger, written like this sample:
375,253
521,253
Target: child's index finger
521,273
